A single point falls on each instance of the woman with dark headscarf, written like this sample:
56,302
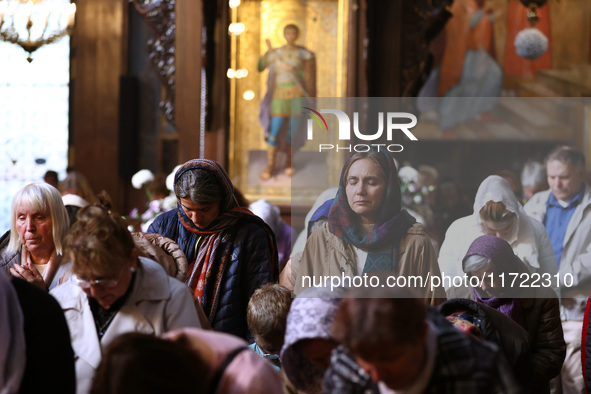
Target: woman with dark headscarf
367,231
529,302
231,252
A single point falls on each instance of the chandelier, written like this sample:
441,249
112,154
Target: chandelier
34,23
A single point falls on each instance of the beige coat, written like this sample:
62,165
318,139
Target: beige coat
327,255
158,303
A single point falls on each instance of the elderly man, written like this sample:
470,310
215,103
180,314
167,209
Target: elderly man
564,211
403,347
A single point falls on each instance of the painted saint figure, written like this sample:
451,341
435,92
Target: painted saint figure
292,74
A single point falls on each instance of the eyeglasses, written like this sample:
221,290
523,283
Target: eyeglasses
86,284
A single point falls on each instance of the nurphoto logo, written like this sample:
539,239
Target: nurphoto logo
391,120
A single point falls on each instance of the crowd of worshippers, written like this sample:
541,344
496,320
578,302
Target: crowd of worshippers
210,300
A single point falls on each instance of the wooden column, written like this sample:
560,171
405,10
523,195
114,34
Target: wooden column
571,28
98,60
384,60
189,21
357,50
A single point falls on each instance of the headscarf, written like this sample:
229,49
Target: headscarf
497,189
74,200
501,255
310,222
310,317
269,213
12,338
393,222
522,239
202,272
272,216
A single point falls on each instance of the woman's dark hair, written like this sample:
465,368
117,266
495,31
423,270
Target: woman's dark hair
200,185
157,186
367,326
72,213
240,199
141,363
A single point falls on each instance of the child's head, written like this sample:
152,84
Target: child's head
267,314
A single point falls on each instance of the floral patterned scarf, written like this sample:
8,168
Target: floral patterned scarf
310,317
382,242
207,270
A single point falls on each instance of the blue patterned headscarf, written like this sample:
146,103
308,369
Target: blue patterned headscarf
393,222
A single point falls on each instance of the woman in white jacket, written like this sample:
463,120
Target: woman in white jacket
113,291
496,212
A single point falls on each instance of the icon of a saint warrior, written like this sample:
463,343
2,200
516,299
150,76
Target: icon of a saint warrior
292,74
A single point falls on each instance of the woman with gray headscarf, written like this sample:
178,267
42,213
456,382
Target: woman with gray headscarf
230,251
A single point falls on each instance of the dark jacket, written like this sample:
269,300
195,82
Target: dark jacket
535,360
586,349
541,319
50,358
463,365
249,268
496,327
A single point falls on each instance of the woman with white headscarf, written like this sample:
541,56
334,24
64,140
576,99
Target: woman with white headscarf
496,212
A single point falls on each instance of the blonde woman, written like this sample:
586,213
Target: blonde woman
32,250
